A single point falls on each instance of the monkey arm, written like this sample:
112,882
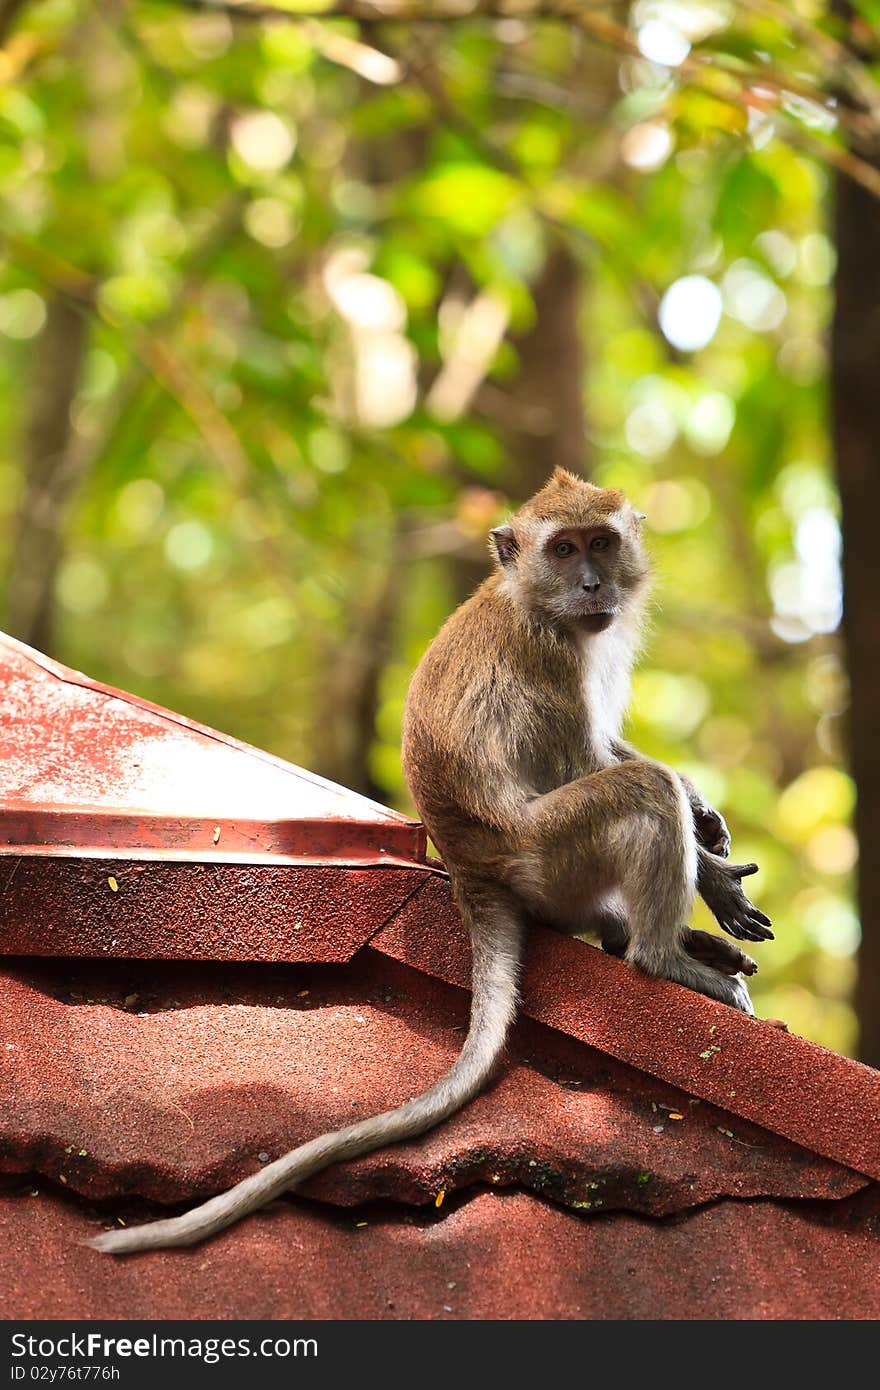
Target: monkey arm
709,825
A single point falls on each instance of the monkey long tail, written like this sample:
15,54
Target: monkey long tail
496,936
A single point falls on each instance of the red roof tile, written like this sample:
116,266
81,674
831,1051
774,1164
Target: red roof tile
815,1097
189,911
180,1099
499,1255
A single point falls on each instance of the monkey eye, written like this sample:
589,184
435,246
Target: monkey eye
599,543
564,548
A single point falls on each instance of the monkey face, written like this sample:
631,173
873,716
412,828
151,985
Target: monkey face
577,574
573,554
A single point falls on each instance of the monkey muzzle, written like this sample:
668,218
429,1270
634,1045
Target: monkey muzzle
596,622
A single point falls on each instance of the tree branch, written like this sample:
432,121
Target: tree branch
698,69
392,11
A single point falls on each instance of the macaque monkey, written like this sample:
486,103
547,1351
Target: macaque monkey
512,751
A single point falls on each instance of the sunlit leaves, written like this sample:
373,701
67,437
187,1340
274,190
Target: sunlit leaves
468,199
136,296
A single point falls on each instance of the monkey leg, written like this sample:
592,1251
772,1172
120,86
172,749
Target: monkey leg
613,933
604,919
627,829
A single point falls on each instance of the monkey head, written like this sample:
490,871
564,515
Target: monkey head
572,555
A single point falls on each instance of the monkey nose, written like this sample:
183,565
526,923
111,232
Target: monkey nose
590,586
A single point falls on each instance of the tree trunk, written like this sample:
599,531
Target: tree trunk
542,415
50,471
855,351
349,684
549,426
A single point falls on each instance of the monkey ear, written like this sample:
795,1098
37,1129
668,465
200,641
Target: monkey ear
505,543
640,516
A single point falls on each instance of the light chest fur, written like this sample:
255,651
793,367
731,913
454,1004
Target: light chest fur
606,669
566,721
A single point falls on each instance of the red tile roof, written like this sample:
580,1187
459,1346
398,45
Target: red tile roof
793,1087
176,1095
500,1255
124,1085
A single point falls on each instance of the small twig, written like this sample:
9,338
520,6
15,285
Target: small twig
842,64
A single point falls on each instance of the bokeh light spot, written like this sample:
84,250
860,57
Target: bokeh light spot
690,312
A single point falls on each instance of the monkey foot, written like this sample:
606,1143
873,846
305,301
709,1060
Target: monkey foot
718,953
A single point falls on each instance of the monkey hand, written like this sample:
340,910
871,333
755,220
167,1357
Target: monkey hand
710,828
720,885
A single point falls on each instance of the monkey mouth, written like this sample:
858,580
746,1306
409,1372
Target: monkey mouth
597,622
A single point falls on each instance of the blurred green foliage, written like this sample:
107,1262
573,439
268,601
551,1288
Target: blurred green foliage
302,239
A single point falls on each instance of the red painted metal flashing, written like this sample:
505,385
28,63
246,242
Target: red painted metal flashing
86,769
126,830
817,1098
